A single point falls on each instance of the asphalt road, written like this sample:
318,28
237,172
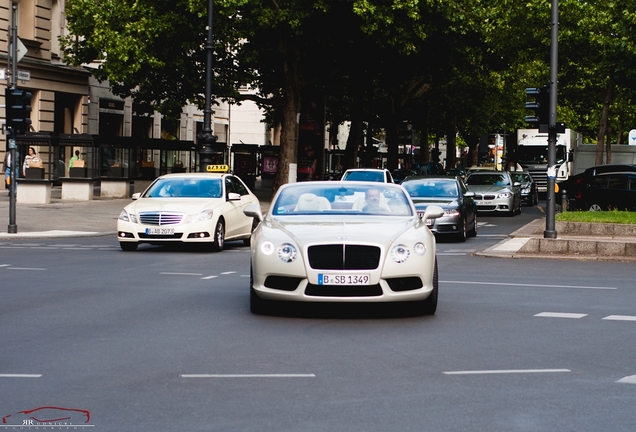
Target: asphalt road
162,339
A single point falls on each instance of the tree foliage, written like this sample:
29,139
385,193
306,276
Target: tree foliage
441,65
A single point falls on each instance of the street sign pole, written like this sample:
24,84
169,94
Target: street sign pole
13,227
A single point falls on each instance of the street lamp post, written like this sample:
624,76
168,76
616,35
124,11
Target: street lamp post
207,139
550,230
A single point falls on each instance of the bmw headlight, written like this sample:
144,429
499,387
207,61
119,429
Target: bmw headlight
400,253
287,253
504,195
127,217
525,190
203,216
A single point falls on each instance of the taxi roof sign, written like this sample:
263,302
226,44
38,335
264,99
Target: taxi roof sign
217,168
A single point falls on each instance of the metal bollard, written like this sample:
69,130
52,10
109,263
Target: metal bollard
564,200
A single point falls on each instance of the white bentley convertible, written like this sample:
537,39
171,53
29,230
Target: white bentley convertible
343,242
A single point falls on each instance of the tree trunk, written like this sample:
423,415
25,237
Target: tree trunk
608,144
353,142
392,144
451,144
289,131
603,125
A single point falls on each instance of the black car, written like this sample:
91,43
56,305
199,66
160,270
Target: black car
608,191
402,173
575,185
451,194
529,191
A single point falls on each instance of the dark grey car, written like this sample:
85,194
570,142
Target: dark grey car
451,194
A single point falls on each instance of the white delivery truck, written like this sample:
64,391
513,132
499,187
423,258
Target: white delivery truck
532,155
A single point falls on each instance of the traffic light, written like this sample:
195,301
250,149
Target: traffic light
540,106
18,109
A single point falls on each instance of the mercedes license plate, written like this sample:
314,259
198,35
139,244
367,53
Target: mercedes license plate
343,279
159,231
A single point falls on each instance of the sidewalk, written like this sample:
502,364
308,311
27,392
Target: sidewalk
595,242
97,217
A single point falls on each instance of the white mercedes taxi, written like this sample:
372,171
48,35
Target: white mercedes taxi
190,208
328,241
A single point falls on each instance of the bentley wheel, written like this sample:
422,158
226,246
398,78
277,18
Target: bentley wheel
429,305
246,241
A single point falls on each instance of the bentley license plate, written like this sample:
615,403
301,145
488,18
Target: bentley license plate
159,231
328,279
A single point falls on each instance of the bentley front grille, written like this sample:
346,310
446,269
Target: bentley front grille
344,257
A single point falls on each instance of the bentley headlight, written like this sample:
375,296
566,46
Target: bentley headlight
504,195
287,253
267,248
203,216
127,217
419,248
400,253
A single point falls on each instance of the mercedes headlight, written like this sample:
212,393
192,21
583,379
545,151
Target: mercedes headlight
127,217
203,216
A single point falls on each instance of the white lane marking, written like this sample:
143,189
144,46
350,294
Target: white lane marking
620,318
210,277
628,380
26,268
560,315
5,265
180,274
20,375
247,375
505,371
529,285
229,272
